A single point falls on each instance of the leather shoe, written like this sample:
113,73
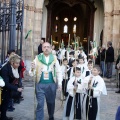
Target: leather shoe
9,118
109,77
117,91
10,109
52,118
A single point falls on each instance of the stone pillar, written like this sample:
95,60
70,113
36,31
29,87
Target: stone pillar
116,27
49,12
108,21
38,24
28,25
12,25
32,21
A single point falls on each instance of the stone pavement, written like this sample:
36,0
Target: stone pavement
25,110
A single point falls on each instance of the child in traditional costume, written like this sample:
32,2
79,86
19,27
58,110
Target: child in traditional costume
88,73
64,69
90,67
82,53
96,87
70,71
71,58
83,66
72,109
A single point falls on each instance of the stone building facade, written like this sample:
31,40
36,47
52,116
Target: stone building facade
109,14
106,18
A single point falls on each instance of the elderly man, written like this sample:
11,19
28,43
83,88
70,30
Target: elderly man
47,69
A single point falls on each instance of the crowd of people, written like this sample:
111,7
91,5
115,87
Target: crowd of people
79,80
69,59
70,70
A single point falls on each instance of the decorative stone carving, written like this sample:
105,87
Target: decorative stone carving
115,12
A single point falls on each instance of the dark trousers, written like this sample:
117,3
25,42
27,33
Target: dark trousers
47,91
64,87
5,102
91,111
102,66
109,66
119,81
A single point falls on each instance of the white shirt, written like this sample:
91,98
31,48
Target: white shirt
62,54
98,85
83,69
47,59
71,72
2,83
64,69
70,86
15,72
53,52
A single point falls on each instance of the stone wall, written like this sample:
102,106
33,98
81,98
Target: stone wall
33,14
32,21
112,23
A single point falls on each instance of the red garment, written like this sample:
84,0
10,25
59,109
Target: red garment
23,68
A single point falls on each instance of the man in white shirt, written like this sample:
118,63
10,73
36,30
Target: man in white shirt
47,69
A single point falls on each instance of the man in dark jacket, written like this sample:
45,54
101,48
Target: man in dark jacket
40,47
109,59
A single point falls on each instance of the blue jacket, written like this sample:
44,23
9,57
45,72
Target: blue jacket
118,114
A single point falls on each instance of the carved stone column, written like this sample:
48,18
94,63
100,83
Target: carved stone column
108,21
49,13
116,27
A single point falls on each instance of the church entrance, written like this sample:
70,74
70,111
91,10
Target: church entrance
69,18
62,19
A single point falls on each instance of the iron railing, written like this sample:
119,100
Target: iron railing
11,26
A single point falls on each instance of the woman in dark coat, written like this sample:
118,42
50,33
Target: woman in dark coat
10,75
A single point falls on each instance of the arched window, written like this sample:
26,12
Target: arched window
56,28
74,28
57,18
65,30
66,19
75,18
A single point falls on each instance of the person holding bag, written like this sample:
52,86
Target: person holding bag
10,75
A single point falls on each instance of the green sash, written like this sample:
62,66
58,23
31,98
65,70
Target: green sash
41,58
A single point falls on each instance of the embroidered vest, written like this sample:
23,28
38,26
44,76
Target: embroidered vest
40,66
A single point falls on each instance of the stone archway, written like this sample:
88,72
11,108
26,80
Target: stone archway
111,20
53,4
87,17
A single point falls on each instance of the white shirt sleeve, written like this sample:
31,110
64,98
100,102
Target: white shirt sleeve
2,83
101,88
32,72
70,86
59,73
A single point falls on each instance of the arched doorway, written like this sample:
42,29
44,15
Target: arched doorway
69,17
58,20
